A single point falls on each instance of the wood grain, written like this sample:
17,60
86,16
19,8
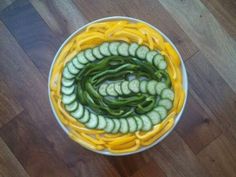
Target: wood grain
103,8
209,36
9,165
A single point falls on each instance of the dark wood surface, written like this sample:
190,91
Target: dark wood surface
33,145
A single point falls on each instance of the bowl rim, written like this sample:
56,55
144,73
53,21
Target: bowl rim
184,76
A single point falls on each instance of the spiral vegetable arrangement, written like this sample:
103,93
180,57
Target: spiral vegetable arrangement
117,86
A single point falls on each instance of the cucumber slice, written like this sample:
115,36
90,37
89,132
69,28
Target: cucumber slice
118,88
77,64
81,58
159,87
162,111
72,68
72,107
147,124
101,122
110,90
67,82
68,99
125,88
89,55
123,49
168,93
85,118
117,126
104,50
67,90
162,65
97,54
124,127
151,87
110,125
67,74
133,48
142,52
134,85
165,103
154,116
150,56
93,121
102,89
79,112
143,86
132,124
113,47
157,59
139,123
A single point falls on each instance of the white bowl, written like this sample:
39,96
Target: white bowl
184,75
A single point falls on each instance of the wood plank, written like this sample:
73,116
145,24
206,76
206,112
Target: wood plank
219,157
151,169
212,89
32,34
149,10
31,91
225,13
196,127
30,146
5,3
209,36
175,158
9,165
62,17
9,106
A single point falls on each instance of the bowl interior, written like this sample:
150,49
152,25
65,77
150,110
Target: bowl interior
184,76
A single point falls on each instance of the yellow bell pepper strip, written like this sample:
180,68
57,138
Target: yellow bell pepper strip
120,151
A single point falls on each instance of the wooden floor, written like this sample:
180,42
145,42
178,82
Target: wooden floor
33,145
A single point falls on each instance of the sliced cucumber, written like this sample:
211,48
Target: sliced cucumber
77,64
168,93
110,90
123,49
134,85
139,123
79,112
157,59
113,47
85,118
142,52
72,107
133,48
150,56
165,103
102,89
67,90
162,65
162,111
104,50
154,116
118,88
151,87
117,126
159,87
147,124
101,122
72,68
143,86
68,99
132,124
67,82
97,54
124,127
81,58
67,74
110,125
89,55
125,88
93,121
